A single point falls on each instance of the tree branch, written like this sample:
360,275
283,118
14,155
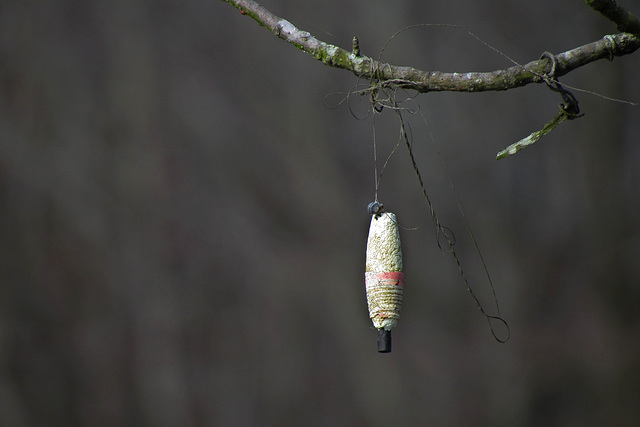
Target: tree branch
434,81
625,21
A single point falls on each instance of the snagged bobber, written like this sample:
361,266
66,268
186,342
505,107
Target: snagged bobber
384,277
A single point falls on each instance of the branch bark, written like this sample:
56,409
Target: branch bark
625,21
436,81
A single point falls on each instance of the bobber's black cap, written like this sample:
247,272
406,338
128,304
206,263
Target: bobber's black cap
384,341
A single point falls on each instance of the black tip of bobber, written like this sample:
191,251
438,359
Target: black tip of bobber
384,341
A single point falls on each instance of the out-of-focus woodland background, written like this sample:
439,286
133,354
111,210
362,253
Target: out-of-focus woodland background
183,221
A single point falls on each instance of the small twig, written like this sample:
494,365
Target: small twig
533,138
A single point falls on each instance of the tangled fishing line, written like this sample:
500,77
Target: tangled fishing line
383,95
445,237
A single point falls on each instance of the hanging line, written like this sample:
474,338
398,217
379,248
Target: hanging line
375,160
377,107
446,233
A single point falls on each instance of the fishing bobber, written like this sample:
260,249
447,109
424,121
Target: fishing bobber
384,277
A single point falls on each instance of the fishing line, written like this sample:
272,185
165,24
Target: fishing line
599,95
454,26
475,243
375,110
375,161
446,233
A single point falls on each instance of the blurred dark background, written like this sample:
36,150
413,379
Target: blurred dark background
184,221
